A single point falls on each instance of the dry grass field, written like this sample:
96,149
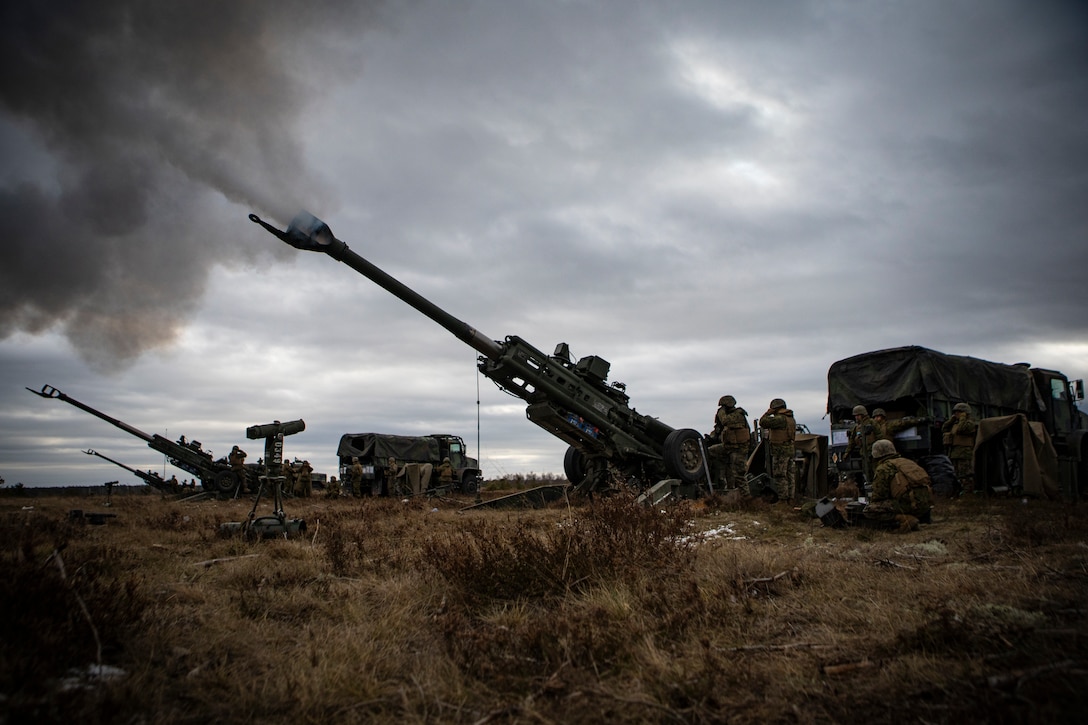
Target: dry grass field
391,611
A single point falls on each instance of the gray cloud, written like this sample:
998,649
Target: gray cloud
150,113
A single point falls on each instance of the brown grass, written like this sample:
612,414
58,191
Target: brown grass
391,611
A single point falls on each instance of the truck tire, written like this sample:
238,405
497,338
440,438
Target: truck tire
683,457
470,482
574,466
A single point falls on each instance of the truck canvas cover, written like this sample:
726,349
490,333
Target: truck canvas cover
917,372
379,446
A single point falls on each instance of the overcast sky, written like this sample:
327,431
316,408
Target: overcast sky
716,197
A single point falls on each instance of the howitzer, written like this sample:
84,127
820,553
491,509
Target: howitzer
571,400
215,476
152,479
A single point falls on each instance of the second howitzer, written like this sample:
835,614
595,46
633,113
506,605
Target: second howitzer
609,440
215,476
151,478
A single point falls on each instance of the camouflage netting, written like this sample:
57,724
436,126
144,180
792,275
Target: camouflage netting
917,372
379,446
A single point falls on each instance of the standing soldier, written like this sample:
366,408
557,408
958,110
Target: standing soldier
445,473
734,436
865,432
356,477
237,461
389,481
715,451
881,430
959,439
288,478
779,430
305,480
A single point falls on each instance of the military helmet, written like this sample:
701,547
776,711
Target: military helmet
777,403
859,410
883,447
961,408
727,400
878,412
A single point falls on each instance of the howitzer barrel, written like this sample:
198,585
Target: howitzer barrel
48,391
92,452
309,233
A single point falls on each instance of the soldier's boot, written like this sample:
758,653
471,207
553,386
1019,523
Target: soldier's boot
906,523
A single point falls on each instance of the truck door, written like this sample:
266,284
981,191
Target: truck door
457,454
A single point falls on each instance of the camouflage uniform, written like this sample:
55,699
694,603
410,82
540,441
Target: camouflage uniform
332,488
864,433
289,478
237,461
390,479
901,490
356,478
959,439
445,473
305,480
736,440
779,431
732,439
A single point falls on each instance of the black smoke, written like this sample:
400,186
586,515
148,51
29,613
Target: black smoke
150,121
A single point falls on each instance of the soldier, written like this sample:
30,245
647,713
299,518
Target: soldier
289,481
959,439
332,488
880,425
778,431
445,473
863,434
356,477
733,440
173,483
305,480
389,481
237,461
901,490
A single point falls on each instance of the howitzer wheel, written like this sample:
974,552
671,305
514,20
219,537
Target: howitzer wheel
224,483
574,466
683,457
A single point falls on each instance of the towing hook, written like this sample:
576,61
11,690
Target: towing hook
48,391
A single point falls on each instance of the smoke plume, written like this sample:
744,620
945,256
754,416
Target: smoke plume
132,124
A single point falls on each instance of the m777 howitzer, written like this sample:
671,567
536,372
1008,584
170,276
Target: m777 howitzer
216,476
609,440
151,478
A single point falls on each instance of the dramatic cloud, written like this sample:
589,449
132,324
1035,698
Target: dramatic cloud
151,114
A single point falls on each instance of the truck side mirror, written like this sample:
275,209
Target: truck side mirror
1076,389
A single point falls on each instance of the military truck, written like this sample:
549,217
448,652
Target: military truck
1032,436
425,452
